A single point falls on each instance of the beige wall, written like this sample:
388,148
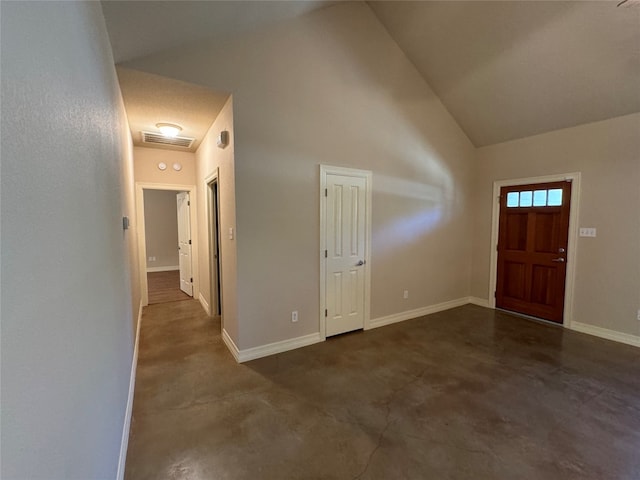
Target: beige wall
146,166
607,288
161,228
148,177
68,309
333,88
128,202
210,159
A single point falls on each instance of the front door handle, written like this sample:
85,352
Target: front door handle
559,260
360,263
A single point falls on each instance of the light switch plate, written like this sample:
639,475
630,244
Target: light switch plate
587,232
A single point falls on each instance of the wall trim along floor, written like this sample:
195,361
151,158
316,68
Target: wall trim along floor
228,341
481,302
305,340
418,312
204,304
124,443
170,268
242,356
626,338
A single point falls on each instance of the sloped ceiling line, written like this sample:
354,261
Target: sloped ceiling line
504,70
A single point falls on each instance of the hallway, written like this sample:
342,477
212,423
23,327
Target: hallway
466,393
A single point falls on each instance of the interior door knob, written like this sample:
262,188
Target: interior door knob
559,260
360,263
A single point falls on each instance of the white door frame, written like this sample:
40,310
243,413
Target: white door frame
574,177
142,245
367,175
214,177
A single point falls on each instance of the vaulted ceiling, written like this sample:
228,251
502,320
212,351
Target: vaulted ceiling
504,70
508,70
139,28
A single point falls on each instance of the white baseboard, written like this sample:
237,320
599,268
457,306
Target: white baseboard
279,347
418,312
625,338
481,302
293,343
242,356
124,442
170,268
606,333
204,304
228,341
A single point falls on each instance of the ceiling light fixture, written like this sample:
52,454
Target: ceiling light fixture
169,130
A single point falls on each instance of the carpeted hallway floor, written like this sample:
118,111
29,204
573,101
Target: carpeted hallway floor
469,393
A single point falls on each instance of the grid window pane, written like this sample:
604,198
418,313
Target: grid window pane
512,199
555,197
539,198
526,198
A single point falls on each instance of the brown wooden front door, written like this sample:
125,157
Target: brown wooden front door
532,249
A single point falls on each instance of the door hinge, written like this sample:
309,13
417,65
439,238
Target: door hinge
325,254
191,280
325,312
497,247
326,192
189,242
495,295
189,203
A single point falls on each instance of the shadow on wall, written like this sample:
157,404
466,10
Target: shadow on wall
407,139
424,210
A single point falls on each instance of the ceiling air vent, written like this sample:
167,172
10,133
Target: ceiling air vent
159,139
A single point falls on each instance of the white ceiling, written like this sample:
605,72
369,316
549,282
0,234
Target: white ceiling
138,28
508,70
150,99
504,69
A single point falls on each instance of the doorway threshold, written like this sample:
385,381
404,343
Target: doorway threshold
530,317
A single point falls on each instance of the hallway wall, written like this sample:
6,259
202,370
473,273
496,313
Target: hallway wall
332,87
69,289
146,166
209,159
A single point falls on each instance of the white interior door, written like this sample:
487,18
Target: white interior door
184,243
346,213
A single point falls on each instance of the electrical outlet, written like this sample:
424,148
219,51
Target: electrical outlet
152,259
294,316
405,294
638,314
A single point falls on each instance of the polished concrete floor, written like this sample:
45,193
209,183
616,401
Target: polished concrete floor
465,394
